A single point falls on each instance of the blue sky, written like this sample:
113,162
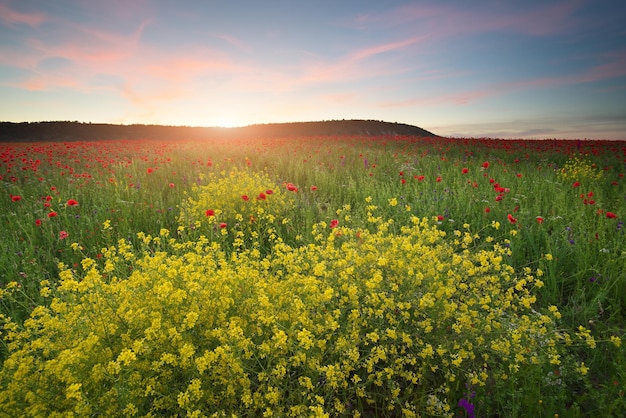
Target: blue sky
509,69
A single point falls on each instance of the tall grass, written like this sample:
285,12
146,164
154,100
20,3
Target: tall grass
552,211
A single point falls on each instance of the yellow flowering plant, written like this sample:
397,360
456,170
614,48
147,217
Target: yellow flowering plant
360,320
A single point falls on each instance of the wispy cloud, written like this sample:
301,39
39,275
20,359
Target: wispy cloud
11,17
442,21
615,68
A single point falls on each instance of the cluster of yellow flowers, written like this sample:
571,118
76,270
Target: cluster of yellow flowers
580,169
242,205
358,320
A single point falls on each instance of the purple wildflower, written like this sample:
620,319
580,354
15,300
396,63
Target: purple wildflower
469,408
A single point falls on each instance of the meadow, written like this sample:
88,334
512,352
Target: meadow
318,276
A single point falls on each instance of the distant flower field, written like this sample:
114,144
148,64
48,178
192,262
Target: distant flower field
321,276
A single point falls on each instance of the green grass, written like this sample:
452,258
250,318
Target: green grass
143,203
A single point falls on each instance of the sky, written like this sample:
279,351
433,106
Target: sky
500,69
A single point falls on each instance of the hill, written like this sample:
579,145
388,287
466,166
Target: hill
78,131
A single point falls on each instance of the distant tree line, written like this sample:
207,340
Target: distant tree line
78,131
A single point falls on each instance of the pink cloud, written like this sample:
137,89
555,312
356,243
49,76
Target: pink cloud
443,21
11,17
379,49
233,41
616,67
613,69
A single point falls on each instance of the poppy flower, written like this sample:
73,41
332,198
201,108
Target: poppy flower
576,184
245,197
291,187
150,170
498,198
511,218
487,210
171,185
611,215
209,212
438,179
485,164
539,219
38,222
313,188
420,178
72,202
334,223
269,191
261,196
223,225
16,198
440,218
52,214
465,170
63,235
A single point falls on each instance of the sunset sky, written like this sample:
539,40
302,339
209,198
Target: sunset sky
509,69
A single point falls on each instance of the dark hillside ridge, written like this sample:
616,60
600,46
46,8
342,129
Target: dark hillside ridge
78,131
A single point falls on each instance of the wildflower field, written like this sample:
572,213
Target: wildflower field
321,276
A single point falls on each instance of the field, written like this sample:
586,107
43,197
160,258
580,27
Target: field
319,276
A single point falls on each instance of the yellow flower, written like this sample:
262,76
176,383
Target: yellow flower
616,340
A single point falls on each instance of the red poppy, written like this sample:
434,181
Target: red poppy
52,214
313,188
420,178
438,179
465,170
223,225
209,212
487,210
611,215
261,196
539,219
171,185
16,198
149,170
401,173
519,175
334,223
485,164
38,222
440,218
63,235
511,218
269,191
245,197
291,187
403,181
72,202
576,184
498,198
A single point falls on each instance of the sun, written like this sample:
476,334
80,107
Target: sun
226,123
